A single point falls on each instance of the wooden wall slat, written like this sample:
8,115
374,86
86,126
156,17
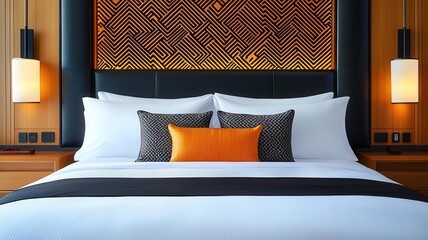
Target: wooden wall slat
3,116
37,117
6,39
423,66
44,18
386,19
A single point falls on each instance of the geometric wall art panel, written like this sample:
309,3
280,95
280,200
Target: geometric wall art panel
214,34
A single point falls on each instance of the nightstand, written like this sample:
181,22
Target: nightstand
21,169
408,168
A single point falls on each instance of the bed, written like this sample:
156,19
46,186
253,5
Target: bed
132,192
307,185
216,217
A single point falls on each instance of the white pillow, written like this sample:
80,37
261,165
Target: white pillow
318,128
221,99
112,97
299,100
129,99
112,129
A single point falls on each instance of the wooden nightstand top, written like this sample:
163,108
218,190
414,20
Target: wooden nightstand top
17,170
407,168
406,161
420,157
48,160
38,155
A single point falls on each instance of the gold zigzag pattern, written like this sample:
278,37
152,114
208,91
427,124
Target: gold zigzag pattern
214,35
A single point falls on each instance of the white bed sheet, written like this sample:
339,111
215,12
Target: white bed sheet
232,217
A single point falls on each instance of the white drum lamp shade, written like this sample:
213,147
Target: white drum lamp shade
404,80
25,80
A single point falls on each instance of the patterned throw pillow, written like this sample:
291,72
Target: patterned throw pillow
275,139
156,143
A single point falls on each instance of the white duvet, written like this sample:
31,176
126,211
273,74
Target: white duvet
233,217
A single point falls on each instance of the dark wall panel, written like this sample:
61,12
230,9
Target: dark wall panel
353,66
72,121
132,83
76,34
175,84
191,83
76,62
299,84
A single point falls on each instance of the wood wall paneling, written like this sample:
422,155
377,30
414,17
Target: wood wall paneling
3,48
6,119
34,117
423,71
386,19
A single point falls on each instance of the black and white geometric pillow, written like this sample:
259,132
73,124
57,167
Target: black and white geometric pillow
275,138
156,142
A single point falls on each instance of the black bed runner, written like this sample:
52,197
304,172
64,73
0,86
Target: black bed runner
116,187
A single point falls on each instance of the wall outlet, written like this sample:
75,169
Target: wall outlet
381,137
48,137
22,137
395,137
32,137
407,137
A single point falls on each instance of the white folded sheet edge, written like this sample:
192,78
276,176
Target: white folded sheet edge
310,169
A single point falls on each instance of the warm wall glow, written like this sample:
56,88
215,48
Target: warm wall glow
404,81
25,80
214,35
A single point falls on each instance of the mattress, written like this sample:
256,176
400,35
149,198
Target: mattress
233,216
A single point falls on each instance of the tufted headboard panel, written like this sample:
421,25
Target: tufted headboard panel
350,77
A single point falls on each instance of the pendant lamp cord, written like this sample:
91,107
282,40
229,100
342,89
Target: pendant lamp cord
404,28
25,28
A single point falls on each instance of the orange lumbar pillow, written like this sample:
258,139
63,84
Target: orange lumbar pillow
214,144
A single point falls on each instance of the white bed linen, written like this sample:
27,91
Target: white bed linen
233,217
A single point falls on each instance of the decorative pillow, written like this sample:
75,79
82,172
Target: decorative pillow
275,139
167,102
156,143
214,144
318,128
112,129
221,101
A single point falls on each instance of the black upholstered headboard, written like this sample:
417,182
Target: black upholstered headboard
351,77
174,84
